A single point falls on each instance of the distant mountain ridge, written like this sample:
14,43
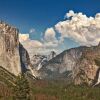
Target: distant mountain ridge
74,62
38,60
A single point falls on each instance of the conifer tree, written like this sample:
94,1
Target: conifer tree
21,89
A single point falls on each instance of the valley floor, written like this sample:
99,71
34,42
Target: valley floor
55,90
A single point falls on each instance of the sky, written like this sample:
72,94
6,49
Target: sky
47,25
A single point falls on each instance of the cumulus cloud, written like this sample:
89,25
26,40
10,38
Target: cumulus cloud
80,28
50,35
27,42
36,46
76,26
70,14
23,37
32,44
50,38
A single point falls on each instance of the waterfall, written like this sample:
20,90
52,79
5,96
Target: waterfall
39,66
98,78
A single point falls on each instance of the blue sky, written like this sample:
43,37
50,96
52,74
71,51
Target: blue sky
42,14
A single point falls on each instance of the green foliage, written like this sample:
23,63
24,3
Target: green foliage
43,89
21,89
97,61
63,91
6,77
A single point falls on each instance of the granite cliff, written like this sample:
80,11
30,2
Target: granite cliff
9,48
13,56
77,64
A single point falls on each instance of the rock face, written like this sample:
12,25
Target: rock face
13,56
86,69
26,65
24,58
9,49
62,63
52,55
38,60
78,64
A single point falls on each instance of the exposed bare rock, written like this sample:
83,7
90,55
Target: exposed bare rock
78,64
52,55
86,68
9,48
26,64
24,58
39,60
62,64
13,56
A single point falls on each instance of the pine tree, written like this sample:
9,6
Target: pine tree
22,89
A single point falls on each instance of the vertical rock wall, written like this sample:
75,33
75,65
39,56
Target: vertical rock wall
9,49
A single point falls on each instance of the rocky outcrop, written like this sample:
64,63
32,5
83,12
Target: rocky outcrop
24,58
13,56
38,60
86,68
26,65
78,64
62,64
9,48
52,55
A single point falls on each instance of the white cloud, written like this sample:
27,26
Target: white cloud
28,43
32,44
32,30
50,35
36,46
23,37
70,14
80,28
50,39
77,26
